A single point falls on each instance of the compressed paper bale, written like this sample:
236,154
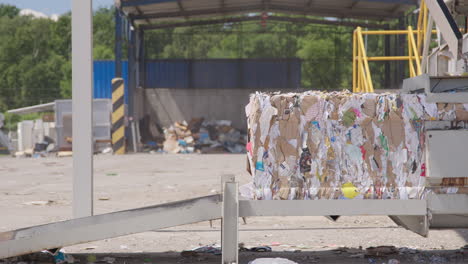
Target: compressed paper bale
339,145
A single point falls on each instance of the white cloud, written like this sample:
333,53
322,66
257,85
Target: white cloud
36,14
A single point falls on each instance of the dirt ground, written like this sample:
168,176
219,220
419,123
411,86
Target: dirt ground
124,182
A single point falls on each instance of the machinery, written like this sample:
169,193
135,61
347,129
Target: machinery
446,156
445,81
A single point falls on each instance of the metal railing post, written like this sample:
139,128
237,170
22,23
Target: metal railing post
230,223
368,79
354,63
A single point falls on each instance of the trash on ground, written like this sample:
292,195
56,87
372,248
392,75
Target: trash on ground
199,136
255,249
108,260
91,258
62,258
272,261
381,251
64,154
213,249
90,247
39,203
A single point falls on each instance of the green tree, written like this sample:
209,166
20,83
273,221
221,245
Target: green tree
103,34
8,11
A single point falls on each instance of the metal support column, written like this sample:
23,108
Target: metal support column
131,70
118,43
387,80
141,72
132,85
82,82
230,223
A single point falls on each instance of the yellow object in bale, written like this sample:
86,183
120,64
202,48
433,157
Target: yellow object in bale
349,190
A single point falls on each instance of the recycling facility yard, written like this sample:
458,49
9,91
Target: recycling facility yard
36,191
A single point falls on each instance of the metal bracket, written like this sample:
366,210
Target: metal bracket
417,224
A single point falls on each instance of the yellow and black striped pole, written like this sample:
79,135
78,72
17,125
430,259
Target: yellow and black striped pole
118,116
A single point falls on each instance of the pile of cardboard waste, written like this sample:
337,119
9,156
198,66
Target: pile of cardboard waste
338,145
200,136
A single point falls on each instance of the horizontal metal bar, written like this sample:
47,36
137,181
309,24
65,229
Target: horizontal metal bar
256,18
331,207
319,11
407,2
93,228
151,2
448,203
389,58
143,2
392,32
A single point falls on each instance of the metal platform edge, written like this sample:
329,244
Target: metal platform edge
411,214
99,227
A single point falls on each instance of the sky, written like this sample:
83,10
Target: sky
50,7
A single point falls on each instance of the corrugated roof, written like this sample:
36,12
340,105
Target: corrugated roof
144,12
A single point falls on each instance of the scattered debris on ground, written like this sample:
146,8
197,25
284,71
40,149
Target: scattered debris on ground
272,261
381,251
242,247
39,203
212,249
199,136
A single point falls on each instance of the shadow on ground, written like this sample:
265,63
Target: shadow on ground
341,255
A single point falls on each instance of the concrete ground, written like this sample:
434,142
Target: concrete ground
124,182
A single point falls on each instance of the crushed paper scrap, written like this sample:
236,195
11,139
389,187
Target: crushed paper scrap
339,145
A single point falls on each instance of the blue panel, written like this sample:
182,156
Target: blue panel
104,72
224,73
167,74
216,74
271,74
209,73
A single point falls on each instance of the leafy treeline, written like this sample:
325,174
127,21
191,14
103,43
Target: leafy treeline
35,54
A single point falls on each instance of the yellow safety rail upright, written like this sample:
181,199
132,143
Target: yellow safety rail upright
362,79
422,24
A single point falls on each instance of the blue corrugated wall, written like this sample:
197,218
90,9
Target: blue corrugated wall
210,73
104,72
224,73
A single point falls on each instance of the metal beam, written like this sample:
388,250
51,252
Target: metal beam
353,5
143,2
118,43
99,227
181,7
249,208
129,3
256,18
230,226
317,10
82,103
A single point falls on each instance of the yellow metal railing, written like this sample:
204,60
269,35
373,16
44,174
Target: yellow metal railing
422,24
362,79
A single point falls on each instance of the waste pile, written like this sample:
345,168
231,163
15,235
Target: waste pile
339,145
200,136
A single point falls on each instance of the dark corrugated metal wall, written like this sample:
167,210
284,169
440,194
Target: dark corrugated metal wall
224,73
210,74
